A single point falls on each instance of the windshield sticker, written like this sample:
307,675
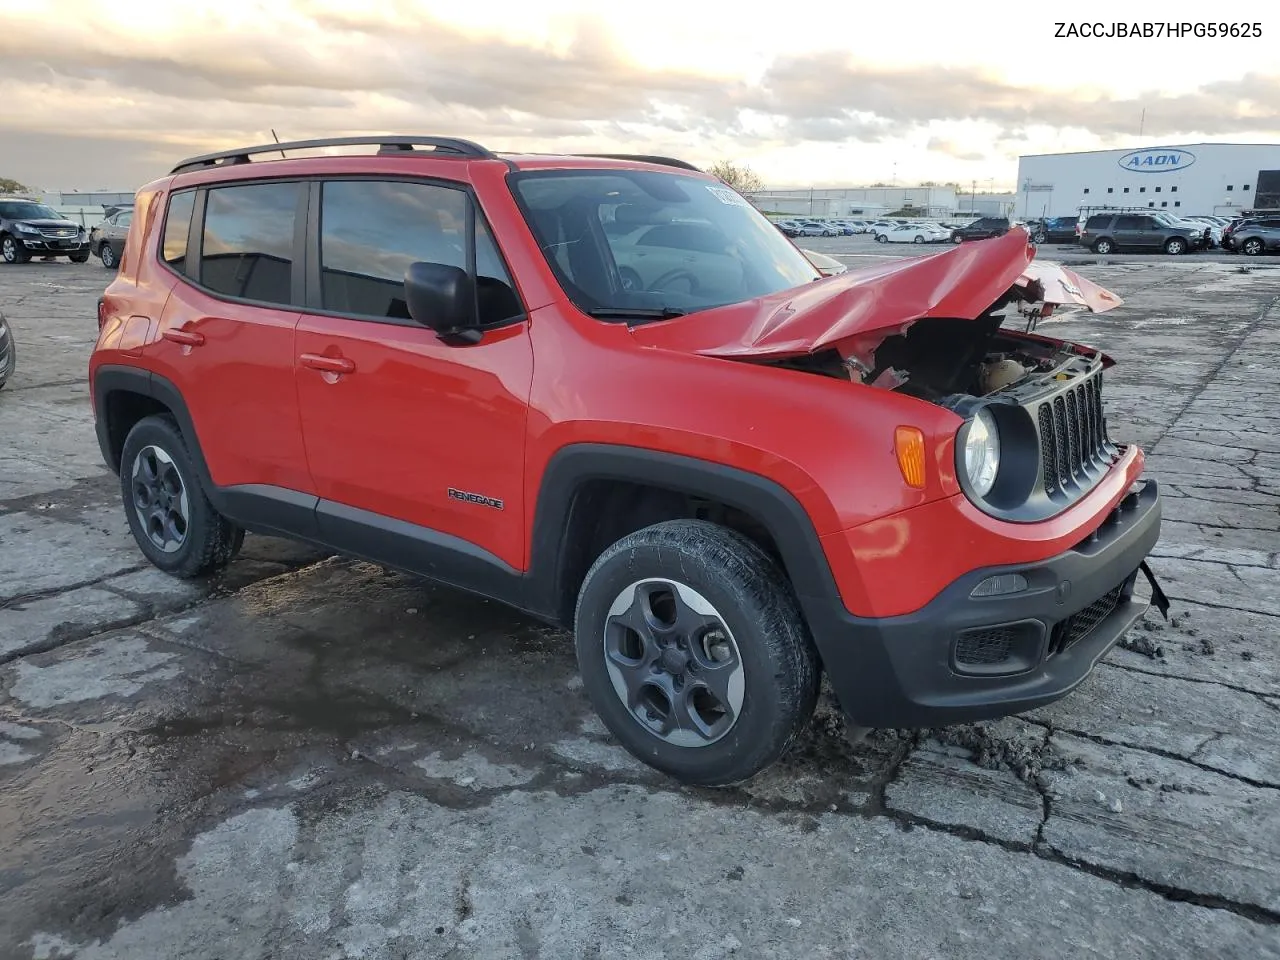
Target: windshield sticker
725,195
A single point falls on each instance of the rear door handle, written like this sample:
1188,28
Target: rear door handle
187,338
328,364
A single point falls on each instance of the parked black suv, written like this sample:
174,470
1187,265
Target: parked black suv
1105,232
28,228
1053,230
981,229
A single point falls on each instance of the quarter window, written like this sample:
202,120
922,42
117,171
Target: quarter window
177,225
248,241
372,230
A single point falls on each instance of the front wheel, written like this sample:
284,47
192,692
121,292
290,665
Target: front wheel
171,518
694,652
1251,247
108,256
957,239
13,250
1175,246
1039,238
79,257
917,239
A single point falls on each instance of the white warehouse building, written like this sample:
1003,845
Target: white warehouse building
1195,179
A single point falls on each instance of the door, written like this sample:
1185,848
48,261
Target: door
1133,231
397,423
226,332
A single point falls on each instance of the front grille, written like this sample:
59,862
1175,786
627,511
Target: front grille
1073,437
1068,632
985,647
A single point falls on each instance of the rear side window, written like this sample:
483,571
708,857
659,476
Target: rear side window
372,230
1097,223
248,241
177,224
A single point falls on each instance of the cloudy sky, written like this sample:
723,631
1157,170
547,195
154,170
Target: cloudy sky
108,95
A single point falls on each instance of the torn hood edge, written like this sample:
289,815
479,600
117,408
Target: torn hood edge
854,312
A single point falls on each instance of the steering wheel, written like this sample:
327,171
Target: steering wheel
680,273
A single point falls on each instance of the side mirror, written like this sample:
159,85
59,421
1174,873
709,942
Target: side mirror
443,298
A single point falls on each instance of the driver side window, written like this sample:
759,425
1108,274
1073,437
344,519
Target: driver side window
372,230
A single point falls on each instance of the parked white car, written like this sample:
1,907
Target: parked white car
827,266
915,233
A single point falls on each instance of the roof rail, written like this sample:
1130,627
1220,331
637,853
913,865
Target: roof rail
446,146
643,158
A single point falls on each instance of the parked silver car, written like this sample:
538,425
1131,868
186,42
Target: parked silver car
106,240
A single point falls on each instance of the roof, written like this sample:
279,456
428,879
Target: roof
1159,146
415,147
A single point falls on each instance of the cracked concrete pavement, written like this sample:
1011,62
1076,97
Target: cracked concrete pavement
314,757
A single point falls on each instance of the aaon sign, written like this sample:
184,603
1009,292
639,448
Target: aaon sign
1157,160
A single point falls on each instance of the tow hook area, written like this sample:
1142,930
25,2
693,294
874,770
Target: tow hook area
1158,599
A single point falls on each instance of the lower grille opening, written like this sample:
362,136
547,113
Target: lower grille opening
998,649
984,647
1068,632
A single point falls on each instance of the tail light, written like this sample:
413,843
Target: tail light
102,312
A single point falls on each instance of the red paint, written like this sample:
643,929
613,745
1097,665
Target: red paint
387,417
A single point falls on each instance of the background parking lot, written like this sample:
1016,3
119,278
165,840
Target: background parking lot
315,757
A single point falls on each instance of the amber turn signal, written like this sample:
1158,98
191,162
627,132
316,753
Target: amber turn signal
908,442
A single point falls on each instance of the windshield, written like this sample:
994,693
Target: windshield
27,210
636,244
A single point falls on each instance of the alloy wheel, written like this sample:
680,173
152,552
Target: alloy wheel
160,499
674,663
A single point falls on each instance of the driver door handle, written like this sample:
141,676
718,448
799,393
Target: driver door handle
327,364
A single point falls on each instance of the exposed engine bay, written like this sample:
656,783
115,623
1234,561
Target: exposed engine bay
943,360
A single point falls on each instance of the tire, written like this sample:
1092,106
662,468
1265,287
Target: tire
79,257
1251,247
957,239
1104,245
10,362
742,618
1039,238
108,256
207,541
1175,246
881,238
917,239
13,250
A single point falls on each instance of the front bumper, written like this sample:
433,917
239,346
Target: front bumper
53,245
963,658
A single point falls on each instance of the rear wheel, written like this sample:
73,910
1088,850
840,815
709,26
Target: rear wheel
171,518
1103,246
917,239
1251,247
13,250
1175,246
694,651
881,238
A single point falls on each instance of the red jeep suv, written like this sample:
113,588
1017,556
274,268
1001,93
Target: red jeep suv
607,391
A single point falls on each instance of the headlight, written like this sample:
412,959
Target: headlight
982,453
24,228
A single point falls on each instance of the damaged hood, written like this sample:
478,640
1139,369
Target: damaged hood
963,282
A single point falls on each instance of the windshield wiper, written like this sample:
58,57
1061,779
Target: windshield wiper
636,313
